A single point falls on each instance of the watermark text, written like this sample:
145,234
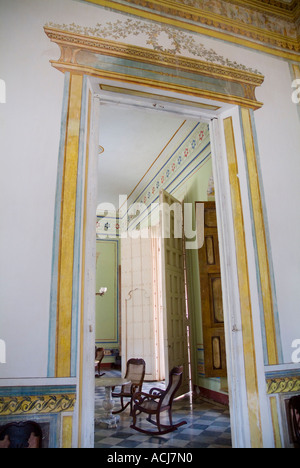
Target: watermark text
2,92
296,353
2,352
176,220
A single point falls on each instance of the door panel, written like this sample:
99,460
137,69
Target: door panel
173,287
139,315
211,297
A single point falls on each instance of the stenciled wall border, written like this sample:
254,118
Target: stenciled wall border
284,382
32,403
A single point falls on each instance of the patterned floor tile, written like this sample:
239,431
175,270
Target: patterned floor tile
208,426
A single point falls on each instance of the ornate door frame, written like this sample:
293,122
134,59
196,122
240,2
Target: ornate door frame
252,333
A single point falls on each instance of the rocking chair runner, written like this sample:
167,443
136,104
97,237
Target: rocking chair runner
157,402
135,372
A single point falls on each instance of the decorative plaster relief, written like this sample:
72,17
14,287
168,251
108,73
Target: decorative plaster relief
159,37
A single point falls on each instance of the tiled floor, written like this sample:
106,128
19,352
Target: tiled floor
208,426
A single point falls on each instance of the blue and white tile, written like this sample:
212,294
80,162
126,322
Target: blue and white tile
208,426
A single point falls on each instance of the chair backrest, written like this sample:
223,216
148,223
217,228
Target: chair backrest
135,371
175,380
294,409
99,354
21,435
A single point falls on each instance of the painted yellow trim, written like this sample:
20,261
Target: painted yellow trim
66,251
262,251
275,422
260,34
296,70
67,427
244,288
83,256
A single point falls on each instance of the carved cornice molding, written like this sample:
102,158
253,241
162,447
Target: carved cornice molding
274,7
265,25
70,44
79,51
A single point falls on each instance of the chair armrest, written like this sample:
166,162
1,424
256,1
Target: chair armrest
157,392
139,397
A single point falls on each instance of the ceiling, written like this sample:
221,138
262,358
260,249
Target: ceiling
132,139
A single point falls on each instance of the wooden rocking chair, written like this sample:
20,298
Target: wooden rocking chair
294,409
156,402
99,355
135,372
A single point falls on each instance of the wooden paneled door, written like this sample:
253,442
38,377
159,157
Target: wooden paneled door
211,297
173,289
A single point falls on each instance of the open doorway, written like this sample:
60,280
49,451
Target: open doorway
225,96
142,152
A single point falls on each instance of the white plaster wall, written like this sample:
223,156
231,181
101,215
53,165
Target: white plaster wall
279,146
278,134
29,142
29,139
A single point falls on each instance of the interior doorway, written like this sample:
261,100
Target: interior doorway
214,120
131,311
225,97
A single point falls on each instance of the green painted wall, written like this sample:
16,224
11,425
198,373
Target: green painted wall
107,309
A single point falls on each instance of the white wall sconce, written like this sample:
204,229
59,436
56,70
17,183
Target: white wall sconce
101,292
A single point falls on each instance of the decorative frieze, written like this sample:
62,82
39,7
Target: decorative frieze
280,383
23,401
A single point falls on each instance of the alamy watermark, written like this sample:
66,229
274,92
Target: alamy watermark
2,352
138,214
296,93
2,92
296,353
